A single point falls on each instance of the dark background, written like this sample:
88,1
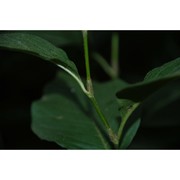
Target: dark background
22,78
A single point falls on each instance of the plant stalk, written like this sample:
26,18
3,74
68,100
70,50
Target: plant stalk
86,54
111,134
106,67
124,120
91,96
115,53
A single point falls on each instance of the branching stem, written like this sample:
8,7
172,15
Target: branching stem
91,96
124,120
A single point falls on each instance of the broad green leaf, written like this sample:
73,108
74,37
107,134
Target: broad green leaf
37,46
65,116
129,135
154,80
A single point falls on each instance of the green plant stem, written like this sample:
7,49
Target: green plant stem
90,94
86,53
111,134
88,73
115,53
124,120
103,63
99,112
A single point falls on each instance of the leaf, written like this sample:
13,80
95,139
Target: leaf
170,68
65,116
39,47
154,80
129,135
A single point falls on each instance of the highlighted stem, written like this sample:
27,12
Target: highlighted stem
111,134
113,137
124,120
86,54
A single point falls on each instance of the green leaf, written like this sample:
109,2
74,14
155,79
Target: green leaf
168,69
65,116
130,134
154,80
39,47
